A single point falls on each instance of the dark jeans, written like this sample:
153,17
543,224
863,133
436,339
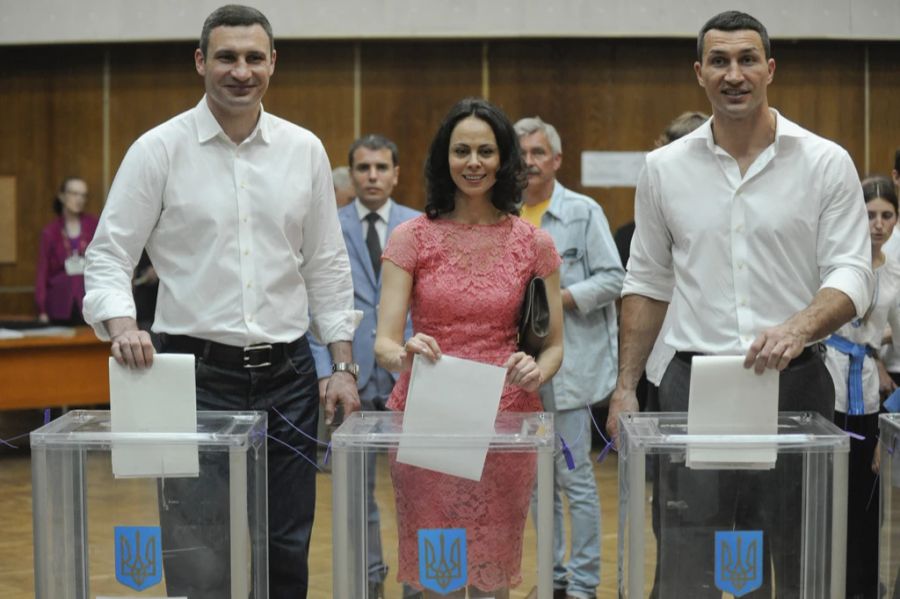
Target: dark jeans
693,504
194,512
862,506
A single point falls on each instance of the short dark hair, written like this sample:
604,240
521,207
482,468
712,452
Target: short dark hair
897,160
373,141
879,186
57,205
510,178
234,15
732,20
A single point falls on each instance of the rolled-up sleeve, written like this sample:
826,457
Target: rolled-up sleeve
326,267
649,270
843,243
605,272
131,211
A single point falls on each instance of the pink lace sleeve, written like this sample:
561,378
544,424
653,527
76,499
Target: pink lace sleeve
401,246
546,259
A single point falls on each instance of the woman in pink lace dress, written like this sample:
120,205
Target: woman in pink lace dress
462,270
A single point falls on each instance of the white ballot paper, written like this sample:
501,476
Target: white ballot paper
159,399
728,399
450,397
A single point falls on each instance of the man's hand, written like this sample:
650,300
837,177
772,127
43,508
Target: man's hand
621,401
131,347
775,348
340,390
886,384
568,301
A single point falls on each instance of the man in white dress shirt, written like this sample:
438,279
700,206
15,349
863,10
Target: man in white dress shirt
753,232
236,209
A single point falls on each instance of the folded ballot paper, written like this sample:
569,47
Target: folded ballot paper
448,398
159,399
728,399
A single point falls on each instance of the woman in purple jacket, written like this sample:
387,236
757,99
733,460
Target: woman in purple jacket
59,284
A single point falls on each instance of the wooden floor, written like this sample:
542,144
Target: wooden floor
16,560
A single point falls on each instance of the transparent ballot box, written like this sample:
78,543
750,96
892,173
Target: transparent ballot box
889,533
487,526
732,515
150,514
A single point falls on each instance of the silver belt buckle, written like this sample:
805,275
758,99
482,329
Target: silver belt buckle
251,350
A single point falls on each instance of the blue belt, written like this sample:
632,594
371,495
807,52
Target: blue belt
857,353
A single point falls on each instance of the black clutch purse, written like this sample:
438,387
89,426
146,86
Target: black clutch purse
534,324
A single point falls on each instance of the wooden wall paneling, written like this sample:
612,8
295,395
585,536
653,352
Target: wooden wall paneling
8,227
652,82
613,95
149,84
566,83
821,86
884,105
52,127
313,87
407,89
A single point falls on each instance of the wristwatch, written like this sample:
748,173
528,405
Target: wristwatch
349,367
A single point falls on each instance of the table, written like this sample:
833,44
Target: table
43,372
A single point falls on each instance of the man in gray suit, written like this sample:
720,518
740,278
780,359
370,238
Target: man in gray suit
367,223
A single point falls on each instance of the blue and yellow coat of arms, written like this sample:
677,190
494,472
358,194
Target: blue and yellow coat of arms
739,561
138,556
442,559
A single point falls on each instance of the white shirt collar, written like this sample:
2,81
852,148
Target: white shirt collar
208,127
384,212
783,128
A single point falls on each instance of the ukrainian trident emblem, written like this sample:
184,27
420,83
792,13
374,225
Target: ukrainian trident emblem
442,559
739,557
138,556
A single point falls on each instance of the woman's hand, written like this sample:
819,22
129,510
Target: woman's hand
523,371
421,344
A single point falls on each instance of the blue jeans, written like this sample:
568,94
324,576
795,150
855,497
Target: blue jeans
581,575
192,517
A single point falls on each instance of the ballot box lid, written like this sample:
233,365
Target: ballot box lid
91,429
512,431
796,432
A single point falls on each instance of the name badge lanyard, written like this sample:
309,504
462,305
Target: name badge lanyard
74,263
67,244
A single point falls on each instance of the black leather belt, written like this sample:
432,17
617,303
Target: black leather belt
260,355
816,350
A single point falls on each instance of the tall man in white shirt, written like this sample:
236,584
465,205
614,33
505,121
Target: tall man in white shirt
367,222
236,209
754,232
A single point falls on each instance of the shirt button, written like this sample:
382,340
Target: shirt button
246,252
249,285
